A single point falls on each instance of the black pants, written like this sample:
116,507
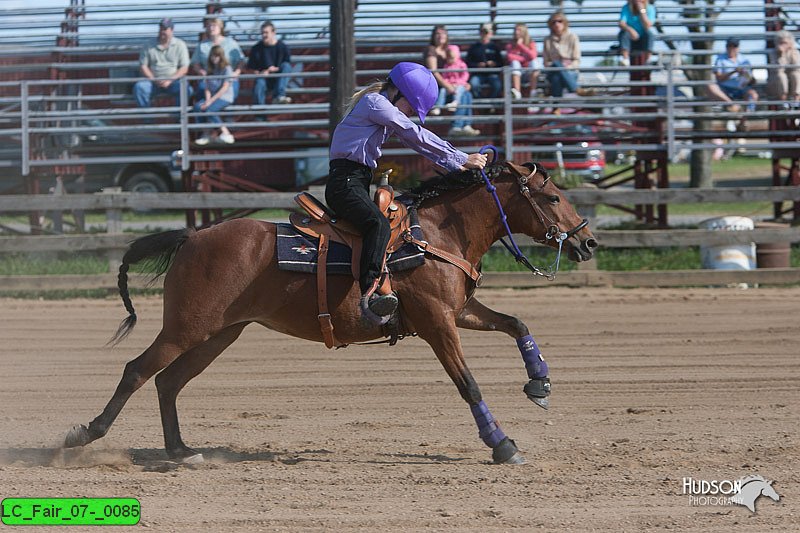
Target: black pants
347,193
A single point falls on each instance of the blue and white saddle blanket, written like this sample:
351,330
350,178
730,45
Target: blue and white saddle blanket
298,252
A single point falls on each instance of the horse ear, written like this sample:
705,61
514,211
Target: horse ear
521,171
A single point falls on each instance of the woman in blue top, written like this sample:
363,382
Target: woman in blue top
375,113
635,21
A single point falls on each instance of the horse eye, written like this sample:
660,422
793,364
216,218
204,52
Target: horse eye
553,199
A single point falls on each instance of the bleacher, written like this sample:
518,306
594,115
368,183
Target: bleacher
80,61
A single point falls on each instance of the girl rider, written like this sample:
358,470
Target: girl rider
374,114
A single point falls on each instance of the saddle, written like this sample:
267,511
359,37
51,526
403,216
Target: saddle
318,222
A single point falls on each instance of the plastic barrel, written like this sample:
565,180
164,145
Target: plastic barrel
773,254
728,257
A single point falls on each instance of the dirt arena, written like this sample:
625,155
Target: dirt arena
649,387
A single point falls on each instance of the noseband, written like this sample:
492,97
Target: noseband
553,231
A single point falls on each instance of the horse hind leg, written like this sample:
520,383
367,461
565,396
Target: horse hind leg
172,379
156,357
477,316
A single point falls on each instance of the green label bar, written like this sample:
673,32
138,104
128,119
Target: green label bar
70,511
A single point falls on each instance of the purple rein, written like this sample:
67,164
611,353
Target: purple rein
513,248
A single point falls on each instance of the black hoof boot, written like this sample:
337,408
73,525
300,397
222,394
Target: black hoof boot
538,391
507,453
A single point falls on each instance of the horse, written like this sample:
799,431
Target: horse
224,277
751,488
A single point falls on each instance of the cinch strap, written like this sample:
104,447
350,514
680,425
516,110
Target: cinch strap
534,362
488,428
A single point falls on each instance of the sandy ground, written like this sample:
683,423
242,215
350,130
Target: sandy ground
649,387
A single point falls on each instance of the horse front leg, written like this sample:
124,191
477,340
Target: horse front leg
446,345
477,316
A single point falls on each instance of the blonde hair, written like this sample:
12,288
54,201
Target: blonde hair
526,36
219,22
561,15
374,87
217,50
785,35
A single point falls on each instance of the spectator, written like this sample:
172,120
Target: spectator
485,54
562,49
784,81
436,60
215,36
269,56
734,81
635,21
218,95
521,52
163,63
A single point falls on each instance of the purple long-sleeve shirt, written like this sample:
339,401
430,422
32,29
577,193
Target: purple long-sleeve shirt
360,135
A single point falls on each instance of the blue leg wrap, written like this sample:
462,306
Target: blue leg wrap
534,362
488,429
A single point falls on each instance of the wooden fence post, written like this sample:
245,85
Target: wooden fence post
113,226
343,58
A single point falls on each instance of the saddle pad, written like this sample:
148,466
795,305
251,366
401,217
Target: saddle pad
298,252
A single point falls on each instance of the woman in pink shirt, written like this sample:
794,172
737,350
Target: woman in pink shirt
521,52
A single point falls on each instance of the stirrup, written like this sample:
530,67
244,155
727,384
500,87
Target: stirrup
368,316
538,390
382,304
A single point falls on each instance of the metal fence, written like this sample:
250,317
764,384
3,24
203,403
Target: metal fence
54,110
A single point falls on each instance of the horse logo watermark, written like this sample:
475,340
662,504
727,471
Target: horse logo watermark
751,488
744,491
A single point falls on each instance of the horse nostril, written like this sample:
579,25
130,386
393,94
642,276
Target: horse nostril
590,244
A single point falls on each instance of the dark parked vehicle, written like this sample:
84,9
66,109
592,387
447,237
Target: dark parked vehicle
153,170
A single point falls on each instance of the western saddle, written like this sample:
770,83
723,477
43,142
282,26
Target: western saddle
320,223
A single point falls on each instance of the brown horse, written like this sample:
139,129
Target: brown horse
220,279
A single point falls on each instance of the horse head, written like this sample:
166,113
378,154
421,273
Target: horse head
538,208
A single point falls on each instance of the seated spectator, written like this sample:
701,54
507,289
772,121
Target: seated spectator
163,63
267,57
485,54
456,76
783,82
635,21
562,49
521,52
218,95
215,36
734,81
436,59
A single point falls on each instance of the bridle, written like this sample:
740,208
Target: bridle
553,231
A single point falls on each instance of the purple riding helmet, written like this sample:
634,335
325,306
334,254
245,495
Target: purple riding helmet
417,84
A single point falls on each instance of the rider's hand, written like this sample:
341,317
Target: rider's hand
477,161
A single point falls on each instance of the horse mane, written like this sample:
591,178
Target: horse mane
460,179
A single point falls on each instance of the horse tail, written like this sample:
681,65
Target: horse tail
157,250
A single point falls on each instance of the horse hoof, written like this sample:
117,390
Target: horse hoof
193,459
544,403
507,453
537,390
516,459
77,436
